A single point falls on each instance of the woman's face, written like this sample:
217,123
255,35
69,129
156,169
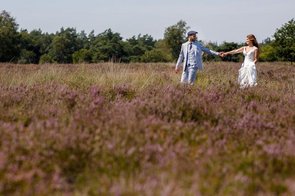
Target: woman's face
248,41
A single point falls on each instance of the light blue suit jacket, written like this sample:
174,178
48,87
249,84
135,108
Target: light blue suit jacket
199,48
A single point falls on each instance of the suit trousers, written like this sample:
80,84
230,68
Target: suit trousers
189,75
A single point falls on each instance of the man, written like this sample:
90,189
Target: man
191,56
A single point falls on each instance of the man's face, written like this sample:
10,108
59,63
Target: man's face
192,37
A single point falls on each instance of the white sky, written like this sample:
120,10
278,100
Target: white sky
215,20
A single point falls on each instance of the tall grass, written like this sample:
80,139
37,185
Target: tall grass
132,129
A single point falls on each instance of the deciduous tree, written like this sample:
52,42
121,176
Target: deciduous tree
285,41
9,38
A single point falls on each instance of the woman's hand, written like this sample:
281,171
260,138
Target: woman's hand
224,54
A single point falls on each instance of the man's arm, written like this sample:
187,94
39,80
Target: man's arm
208,51
180,59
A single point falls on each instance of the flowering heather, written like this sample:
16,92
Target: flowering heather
120,129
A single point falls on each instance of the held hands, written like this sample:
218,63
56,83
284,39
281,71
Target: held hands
223,54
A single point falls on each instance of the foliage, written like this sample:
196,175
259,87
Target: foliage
9,38
46,58
64,44
155,55
138,46
33,45
268,52
285,41
108,46
69,46
211,46
228,46
26,57
174,36
82,56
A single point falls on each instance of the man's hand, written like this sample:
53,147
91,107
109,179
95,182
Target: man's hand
176,70
224,54
220,54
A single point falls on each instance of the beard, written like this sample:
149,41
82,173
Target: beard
193,39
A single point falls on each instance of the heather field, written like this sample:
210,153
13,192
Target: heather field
132,129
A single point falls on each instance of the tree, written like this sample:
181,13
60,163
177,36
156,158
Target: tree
138,46
174,36
108,46
33,45
160,53
285,41
27,54
41,43
64,44
267,52
211,46
9,38
82,56
228,46
46,58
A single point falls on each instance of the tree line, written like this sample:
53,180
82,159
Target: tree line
69,46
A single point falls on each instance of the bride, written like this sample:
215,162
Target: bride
247,72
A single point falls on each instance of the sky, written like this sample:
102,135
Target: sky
215,20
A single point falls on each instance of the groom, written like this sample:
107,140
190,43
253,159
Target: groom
191,57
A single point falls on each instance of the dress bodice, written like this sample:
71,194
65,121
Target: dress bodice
249,56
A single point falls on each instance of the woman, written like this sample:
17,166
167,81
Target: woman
247,73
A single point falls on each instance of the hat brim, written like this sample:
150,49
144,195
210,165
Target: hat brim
194,33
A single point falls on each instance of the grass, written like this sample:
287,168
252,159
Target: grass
132,129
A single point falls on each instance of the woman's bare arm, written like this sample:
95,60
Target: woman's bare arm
236,51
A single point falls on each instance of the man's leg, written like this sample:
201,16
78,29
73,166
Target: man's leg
192,74
184,77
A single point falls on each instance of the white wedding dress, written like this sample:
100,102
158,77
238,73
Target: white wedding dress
247,72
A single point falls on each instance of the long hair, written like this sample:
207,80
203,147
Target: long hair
252,38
